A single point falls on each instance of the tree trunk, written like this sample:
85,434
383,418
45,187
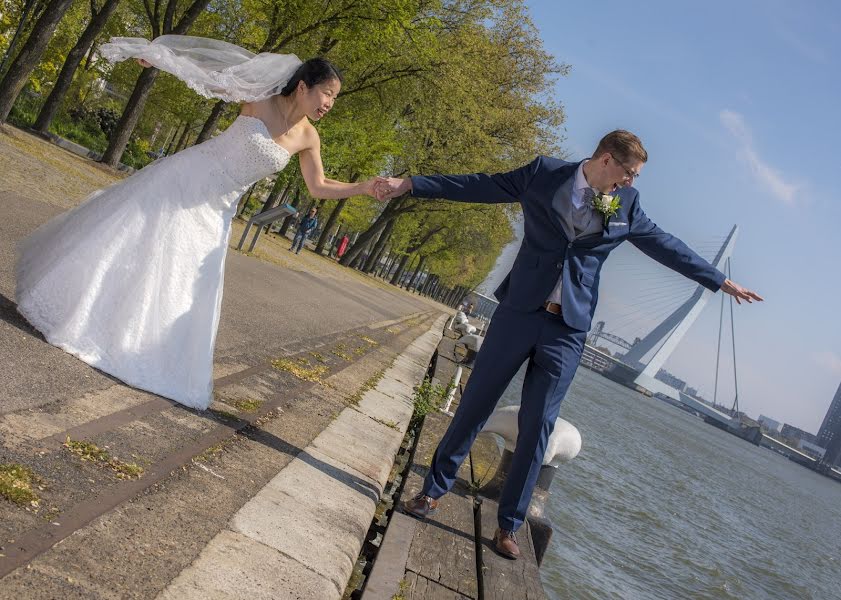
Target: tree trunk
182,141
433,291
328,226
25,62
128,120
287,222
170,146
245,198
283,197
407,279
417,272
90,57
71,63
379,246
391,266
134,107
384,258
10,51
212,120
375,257
333,240
277,189
357,262
395,278
391,211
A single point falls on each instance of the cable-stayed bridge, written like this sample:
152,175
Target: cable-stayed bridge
664,309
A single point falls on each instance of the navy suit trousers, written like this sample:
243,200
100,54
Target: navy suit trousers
553,351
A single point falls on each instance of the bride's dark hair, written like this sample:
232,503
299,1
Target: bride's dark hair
313,72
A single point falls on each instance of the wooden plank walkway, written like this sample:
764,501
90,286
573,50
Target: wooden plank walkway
450,555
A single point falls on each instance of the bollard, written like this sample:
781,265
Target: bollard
452,393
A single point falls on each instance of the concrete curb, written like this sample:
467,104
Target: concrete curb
300,535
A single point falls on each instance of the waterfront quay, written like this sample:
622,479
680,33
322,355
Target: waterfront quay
450,554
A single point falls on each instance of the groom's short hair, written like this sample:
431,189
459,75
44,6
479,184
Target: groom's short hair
623,145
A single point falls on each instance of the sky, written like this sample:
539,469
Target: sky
737,104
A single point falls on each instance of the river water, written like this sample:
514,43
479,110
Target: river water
659,504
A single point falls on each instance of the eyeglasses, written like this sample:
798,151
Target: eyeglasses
630,174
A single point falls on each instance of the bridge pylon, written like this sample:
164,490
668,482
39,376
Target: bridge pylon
671,330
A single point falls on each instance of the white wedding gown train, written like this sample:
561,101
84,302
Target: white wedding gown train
131,280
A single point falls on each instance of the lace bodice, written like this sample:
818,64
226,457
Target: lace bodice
245,151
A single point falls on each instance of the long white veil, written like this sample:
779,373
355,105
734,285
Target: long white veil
213,68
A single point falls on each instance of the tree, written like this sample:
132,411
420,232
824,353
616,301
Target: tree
160,24
23,21
74,58
31,52
456,122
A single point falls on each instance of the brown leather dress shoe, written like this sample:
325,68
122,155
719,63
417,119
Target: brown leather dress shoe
421,506
506,544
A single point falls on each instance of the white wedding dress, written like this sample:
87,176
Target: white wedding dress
130,281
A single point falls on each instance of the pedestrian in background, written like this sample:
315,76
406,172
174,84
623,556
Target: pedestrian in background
305,227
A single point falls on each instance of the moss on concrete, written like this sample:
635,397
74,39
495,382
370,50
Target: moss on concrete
16,483
90,452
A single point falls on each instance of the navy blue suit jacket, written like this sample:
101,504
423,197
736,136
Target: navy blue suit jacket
546,253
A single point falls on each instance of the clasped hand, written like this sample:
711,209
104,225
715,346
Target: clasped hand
386,188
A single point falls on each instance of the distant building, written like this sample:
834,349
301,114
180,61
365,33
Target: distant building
811,449
829,435
795,433
670,380
770,424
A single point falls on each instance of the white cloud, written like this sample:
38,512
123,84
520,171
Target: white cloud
764,174
829,361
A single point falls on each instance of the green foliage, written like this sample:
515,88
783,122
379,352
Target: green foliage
427,397
440,86
16,485
137,153
25,109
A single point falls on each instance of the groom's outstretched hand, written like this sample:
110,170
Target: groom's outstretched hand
391,187
739,293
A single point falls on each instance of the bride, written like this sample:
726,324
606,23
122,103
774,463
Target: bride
131,280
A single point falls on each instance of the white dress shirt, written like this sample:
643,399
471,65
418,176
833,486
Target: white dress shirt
582,221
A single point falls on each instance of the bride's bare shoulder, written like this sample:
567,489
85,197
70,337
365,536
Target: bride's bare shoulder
310,134
252,109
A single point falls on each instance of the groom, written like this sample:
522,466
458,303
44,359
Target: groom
574,214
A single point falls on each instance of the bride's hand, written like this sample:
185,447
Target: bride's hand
143,63
369,188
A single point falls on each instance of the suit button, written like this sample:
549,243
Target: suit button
560,265
570,245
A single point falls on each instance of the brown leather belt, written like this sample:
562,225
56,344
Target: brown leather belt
553,308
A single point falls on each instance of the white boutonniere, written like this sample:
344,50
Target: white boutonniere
606,205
